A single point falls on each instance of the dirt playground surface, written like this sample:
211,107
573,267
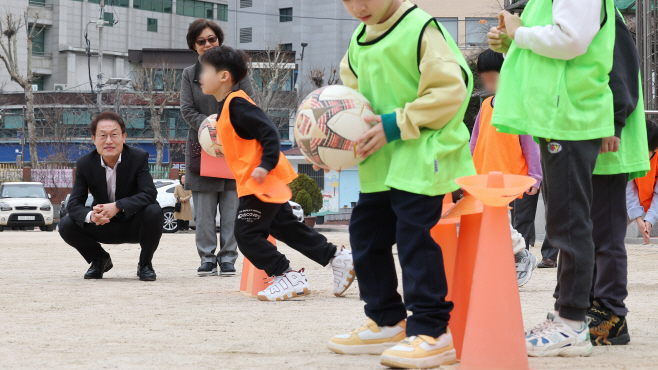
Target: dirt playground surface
51,318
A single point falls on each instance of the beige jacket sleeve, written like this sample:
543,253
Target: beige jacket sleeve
441,90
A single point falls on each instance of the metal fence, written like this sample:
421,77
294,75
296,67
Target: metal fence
159,173
10,173
647,44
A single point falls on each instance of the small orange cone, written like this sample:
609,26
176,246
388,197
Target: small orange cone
494,336
253,280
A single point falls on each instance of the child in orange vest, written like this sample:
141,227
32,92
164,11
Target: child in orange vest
641,199
252,149
510,154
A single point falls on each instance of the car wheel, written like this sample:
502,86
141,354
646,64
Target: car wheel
2,228
170,224
47,228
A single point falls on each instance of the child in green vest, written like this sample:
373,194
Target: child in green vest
418,83
554,85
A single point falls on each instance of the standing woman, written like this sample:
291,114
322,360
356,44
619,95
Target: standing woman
208,192
183,196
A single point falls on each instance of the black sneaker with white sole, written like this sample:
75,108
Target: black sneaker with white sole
226,269
207,269
606,328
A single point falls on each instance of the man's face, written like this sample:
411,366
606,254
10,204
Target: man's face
369,12
109,139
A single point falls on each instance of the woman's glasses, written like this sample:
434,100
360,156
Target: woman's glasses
201,41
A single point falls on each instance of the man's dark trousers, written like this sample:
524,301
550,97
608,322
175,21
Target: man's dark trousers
144,227
568,167
381,220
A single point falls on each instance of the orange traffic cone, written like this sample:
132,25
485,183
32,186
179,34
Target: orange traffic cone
469,212
494,309
445,235
253,280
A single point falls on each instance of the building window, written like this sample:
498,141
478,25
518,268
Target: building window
477,29
318,176
452,25
94,1
39,43
286,80
151,25
79,0
37,2
192,8
162,6
245,35
285,47
109,19
246,4
37,83
121,3
285,15
222,12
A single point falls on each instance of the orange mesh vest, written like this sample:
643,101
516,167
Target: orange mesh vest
496,151
646,184
243,156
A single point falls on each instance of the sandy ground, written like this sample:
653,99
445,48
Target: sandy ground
51,318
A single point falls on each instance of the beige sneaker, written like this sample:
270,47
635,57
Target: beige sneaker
421,352
369,339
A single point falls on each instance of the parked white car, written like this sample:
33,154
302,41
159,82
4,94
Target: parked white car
25,204
167,201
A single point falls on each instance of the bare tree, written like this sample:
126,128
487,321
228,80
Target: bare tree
63,131
10,28
271,72
158,87
317,76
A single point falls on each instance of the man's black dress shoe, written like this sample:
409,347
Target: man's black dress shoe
146,272
98,267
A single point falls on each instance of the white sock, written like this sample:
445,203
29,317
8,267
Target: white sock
575,325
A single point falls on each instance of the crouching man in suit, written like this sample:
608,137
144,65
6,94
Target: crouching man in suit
124,209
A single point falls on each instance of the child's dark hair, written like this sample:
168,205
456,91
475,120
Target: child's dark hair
229,59
652,135
490,61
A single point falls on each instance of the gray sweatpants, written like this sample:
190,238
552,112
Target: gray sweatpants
568,167
205,211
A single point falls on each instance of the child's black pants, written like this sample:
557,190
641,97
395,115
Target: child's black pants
381,220
256,220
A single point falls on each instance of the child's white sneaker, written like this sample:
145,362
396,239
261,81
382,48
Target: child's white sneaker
370,339
554,338
525,263
421,352
343,266
286,286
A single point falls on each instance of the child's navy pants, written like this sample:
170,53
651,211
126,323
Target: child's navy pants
381,220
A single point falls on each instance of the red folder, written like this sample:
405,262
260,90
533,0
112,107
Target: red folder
215,166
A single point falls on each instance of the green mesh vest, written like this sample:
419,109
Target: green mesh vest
553,98
388,72
631,158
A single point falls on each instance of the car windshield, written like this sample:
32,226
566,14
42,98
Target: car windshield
160,184
22,191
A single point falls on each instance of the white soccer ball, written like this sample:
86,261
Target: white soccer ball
208,137
328,123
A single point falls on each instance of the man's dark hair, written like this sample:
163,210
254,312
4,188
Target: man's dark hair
490,61
652,135
197,27
107,115
225,58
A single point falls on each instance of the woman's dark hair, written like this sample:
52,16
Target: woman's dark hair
652,135
107,115
490,61
225,58
197,27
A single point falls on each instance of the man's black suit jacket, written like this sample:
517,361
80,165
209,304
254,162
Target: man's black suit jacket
134,184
